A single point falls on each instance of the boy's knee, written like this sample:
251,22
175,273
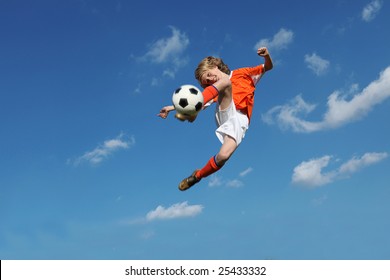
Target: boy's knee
222,158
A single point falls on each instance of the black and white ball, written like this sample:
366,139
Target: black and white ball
187,100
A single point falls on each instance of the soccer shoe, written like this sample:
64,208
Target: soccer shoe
183,118
189,182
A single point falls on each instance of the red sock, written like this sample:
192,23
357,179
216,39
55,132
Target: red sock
209,93
210,167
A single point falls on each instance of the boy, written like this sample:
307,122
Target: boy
235,93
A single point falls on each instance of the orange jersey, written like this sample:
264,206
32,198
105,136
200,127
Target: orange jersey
244,82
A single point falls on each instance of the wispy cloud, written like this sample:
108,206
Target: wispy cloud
281,40
234,183
317,64
340,111
217,180
175,211
103,151
319,201
246,172
310,173
169,51
371,10
147,234
178,210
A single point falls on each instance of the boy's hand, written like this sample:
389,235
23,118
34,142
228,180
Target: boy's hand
262,51
165,111
268,65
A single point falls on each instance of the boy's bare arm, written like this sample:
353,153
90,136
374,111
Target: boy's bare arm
223,83
165,111
268,64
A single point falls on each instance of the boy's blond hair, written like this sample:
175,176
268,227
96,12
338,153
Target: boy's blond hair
209,63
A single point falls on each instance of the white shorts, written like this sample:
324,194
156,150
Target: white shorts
232,123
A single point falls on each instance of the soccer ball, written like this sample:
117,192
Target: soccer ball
187,100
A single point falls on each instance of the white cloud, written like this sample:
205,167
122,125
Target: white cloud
169,51
280,40
103,151
288,116
371,10
215,181
357,163
319,201
167,48
178,210
340,111
234,183
169,73
317,64
147,235
246,172
137,90
311,173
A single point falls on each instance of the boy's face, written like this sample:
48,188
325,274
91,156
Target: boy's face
210,76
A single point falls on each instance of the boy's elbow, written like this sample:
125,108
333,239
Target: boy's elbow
223,83
268,67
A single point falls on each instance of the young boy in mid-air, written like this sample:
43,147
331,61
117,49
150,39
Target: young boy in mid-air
234,91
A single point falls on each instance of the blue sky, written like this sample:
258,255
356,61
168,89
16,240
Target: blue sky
88,171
